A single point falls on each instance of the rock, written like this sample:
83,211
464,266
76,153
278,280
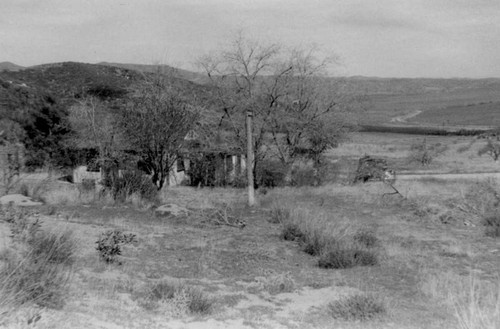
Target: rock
18,200
171,209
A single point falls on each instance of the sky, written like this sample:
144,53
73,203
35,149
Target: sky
385,38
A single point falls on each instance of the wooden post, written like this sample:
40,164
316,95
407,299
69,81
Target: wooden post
250,159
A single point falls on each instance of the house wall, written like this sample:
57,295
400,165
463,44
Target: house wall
238,166
176,176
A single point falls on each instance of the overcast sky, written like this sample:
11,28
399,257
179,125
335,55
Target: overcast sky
387,38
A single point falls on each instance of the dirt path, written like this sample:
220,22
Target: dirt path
404,118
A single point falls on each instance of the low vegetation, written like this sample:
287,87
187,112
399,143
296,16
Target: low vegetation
129,184
338,245
37,270
492,225
175,299
424,153
109,245
279,214
492,149
356,308
475,302
342,256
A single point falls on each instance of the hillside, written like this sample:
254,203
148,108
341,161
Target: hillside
179,73
67,81
386,100
462,115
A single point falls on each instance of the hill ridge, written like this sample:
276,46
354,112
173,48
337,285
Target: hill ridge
9,66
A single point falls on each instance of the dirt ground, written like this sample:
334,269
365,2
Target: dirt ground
257,279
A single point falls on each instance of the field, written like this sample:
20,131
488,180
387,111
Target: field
429,262
457,154
450,104
473,114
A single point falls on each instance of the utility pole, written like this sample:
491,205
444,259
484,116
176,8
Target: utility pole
250,159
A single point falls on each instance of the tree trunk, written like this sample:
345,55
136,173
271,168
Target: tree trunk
288,176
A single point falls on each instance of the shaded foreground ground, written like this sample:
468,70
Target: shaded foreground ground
258,280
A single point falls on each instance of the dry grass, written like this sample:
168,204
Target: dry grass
40,275
175,299
275,283
37,269
336,223
337,242
360,307
460,157
474,302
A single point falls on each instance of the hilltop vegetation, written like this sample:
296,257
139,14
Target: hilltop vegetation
36,119
178,73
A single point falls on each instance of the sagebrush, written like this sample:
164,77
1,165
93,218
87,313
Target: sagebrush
110,243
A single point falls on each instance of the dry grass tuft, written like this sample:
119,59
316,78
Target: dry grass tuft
356,308
57,248
175,299
275,283
279,214
474,302
344,256
337,242
366,238
39,269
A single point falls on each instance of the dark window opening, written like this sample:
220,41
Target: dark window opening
180,164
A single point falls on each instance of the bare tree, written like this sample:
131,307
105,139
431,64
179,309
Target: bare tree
238,75
95,125
293,112
308,117
155,124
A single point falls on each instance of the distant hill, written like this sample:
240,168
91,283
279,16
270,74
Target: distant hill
410,86
387,98
383,98
8,66
179,73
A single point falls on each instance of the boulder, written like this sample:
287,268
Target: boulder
171,209
18,200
